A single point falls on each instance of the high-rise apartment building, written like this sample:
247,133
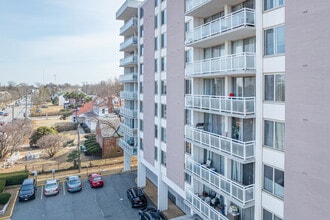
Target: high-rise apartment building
211,106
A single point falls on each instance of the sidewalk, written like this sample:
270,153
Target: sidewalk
172,212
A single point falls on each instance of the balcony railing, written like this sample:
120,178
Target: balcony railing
128,95
126,112
130,42
240,18
129,60
131,23
128,77
243,194
201,207
192,4
225,65
132,150
223,145
126,129
238,106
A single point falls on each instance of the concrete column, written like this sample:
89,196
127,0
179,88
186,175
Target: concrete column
162,191
227,9
127,161
141,175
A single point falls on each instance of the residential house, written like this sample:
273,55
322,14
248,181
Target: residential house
107,136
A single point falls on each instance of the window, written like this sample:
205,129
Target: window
188,148
141,12
141,143
275,40
156,21
141,125
156,87
188,56
163,64
188,86
156,153
156,65
141,68
163,135
187,26
156,109
269,216
141,31
141,106
274,181
163,17
156,131
275,88
156,3
141,50
141,87
269,4
274,134
163,40
156,43
163,158
187,117
163,111
187,178
163,87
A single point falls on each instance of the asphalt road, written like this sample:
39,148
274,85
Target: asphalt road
109,202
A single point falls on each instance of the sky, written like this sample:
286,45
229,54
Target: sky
59,41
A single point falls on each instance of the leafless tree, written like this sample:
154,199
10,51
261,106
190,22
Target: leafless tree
51,143
13,135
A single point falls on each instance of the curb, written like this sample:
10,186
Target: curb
12,209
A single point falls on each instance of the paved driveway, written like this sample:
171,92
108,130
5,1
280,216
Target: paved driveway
109,202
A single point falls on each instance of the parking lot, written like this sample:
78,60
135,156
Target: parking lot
109,202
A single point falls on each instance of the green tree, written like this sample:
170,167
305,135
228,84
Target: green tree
55,101
73,157
40,132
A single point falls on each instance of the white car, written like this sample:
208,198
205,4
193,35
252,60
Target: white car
51,187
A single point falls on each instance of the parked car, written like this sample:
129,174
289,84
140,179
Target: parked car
151,213
5,114
95,179
27,190
51,187
73,184
137,197
2,123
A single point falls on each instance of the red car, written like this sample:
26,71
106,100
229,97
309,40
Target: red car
95,179
5,114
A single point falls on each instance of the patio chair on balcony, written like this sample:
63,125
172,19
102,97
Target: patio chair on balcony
208,163
200,125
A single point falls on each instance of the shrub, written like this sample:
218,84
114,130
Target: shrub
15,178
4,198
66,126
2,185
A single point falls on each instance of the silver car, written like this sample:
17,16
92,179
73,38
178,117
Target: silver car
51,187
73,184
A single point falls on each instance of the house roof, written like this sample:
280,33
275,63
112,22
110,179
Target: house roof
87,107
109,125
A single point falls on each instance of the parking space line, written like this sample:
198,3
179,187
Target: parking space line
42,189
63,188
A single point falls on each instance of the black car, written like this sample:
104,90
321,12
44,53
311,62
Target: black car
137,197
151,213
27,190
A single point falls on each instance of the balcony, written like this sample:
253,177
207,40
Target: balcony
127,130
132,150
128,95
206,8
244,195
128,113
128,77
243,63
237,150
129,61
129,28
241,107
201,207
128,9
234,26
129,45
